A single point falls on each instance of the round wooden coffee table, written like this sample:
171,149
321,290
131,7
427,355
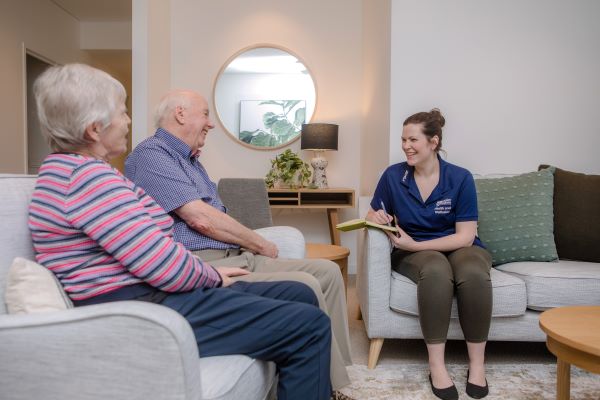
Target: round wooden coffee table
573,336
337,254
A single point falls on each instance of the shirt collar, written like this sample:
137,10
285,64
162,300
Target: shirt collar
174,142
441,188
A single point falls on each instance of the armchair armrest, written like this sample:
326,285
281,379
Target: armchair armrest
125,350
373,279
290,241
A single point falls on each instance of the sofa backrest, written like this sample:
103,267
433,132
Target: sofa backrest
15,239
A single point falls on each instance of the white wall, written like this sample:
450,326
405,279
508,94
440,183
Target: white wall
517,80
45,29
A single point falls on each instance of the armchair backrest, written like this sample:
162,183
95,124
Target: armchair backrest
15,238
247,201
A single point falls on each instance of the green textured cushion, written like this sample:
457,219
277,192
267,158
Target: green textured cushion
516,217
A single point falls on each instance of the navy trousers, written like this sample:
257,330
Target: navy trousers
271,321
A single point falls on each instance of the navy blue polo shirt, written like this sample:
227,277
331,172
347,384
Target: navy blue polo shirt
165,167
453,200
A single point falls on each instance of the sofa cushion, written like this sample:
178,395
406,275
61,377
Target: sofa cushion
509,297
576,200
246,378
516,218
565,283
31,288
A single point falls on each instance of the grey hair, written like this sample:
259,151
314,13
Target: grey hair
71,97
168,103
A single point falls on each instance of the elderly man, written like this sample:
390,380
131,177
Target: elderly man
166,166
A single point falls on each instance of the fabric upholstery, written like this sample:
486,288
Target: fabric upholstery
509,296
115,350
32,288
381,321
289,240
516,217
15,238
247,201
255,377
566,283
576,200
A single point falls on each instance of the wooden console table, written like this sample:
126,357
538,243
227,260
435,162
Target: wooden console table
329,199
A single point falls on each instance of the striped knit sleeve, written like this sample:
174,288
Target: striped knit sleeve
105,208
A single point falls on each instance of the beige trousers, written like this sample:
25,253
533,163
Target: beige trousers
322,276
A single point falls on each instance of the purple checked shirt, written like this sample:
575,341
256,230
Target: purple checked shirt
165,168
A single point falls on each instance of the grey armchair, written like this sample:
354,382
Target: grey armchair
122,350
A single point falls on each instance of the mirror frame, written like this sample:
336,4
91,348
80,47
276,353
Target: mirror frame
226,64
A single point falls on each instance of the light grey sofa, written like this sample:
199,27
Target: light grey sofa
388,300
122,350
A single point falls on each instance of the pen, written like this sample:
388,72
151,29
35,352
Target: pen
386,213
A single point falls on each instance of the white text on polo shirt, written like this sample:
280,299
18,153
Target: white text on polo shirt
443,206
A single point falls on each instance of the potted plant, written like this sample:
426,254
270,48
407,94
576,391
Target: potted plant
288,170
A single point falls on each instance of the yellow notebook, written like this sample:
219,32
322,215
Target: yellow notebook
362,223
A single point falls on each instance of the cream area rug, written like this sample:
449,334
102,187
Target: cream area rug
506,382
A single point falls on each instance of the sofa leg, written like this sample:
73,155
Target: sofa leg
374,351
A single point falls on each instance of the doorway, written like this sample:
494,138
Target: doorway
37,147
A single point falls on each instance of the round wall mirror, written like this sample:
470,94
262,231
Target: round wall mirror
263,95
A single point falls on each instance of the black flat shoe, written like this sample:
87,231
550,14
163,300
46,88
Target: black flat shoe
449,393
476,391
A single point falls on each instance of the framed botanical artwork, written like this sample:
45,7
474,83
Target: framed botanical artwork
269,123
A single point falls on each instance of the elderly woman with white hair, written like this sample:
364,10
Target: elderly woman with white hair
107,240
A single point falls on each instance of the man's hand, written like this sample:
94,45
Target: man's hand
227,272
268,249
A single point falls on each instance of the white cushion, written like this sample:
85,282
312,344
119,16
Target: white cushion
509,297
564,283
31,288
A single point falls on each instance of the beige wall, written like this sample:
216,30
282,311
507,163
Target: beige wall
325,34
118,64
46,30
375,138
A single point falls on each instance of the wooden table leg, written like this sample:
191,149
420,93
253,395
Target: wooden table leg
334,234
563,380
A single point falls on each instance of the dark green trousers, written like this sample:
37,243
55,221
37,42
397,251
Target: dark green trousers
439,276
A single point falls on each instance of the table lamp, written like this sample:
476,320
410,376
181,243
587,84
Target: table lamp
319,137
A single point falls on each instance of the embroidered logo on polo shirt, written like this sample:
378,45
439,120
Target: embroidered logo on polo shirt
443,206
405,175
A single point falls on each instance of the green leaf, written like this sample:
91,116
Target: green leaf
270,118
300,116
282,127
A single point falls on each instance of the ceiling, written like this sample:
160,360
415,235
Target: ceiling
97,10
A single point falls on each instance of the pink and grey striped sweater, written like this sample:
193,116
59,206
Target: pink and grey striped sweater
98,232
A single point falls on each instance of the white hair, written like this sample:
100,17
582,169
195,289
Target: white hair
70,98
173,99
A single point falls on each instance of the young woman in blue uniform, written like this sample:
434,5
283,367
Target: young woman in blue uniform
435,205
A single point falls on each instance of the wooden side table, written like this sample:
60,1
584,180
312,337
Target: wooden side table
337,254
330,199
574,338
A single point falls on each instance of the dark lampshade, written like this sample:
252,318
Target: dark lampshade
319,137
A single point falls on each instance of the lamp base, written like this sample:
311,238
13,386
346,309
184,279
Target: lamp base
319,164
